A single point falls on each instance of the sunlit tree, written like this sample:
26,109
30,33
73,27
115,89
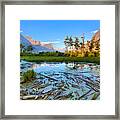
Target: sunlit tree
77,44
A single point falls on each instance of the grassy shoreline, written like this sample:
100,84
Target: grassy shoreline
60,59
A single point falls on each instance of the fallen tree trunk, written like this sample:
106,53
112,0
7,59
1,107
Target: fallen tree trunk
48,77
90,82
87,80
28,97
94,88
84,95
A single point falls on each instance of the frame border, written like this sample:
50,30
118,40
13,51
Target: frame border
52,2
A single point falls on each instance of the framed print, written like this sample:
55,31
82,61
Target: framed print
60,60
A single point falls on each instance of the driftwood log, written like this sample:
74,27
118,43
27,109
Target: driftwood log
28,97
48,77
84,95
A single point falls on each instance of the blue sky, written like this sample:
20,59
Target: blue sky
54,31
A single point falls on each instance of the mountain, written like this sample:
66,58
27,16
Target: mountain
24,41
36,47
33,42
39,43
96,37
48,45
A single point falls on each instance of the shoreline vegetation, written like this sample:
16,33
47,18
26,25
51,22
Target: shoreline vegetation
51,83
59,85
75,51
34,58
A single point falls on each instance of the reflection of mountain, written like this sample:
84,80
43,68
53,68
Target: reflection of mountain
76,65
79,65
35,66
36,45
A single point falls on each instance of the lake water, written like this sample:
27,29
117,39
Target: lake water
62,81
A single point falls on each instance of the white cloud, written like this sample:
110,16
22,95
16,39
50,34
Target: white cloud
51,42
21,31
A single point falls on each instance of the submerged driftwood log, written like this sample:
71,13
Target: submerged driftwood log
40,91
28,97
48,77
84,94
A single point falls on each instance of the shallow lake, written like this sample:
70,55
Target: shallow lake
62,81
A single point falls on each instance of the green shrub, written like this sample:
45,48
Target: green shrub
95,95
29,76
91,54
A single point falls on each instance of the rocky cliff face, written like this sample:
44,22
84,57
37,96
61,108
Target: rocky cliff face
36,45
96,42
96,37
92,46
33,42
24,41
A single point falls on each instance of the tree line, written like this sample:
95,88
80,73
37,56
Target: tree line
76,48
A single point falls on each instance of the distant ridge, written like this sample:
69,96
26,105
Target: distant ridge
37,47
24,41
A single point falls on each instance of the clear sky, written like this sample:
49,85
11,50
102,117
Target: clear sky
54,31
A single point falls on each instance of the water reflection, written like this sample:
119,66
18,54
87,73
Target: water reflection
62,81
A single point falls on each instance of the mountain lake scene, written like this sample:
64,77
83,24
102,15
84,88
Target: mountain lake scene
59,60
